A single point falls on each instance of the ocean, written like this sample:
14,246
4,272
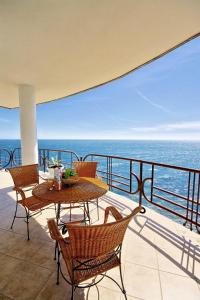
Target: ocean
178,153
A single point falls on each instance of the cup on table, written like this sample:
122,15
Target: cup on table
50,184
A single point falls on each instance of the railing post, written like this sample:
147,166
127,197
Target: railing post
143,210
193,195
130,189
11,157
198,204
152,182
4,162
110,171
188,198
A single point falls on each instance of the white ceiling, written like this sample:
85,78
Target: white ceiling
67,46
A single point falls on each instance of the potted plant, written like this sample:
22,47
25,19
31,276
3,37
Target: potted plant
69,176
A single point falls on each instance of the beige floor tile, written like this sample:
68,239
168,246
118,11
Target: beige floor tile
130,298
6,206
179,255
44,256
104,293
195,266
3,297
159,221
167,238
178,287
176,249
20,248
140,252
9,240
142,282
26,281
170,264
175,246
5,222
113,273
191,235
140,225
7,266
51,291
40,233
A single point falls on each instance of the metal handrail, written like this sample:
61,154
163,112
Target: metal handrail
185,206
143,161
140,180
44,156
5,158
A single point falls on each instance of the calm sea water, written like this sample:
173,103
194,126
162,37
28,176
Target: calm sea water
179,153
186,154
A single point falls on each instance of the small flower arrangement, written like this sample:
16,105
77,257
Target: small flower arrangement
54,163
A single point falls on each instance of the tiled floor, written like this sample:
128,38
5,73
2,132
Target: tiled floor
161,259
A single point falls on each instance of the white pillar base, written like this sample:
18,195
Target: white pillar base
28,128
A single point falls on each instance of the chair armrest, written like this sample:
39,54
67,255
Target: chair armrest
116,214
136,210
53,230
22,194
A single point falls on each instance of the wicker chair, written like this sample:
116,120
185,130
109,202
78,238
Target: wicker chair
25,178
87,169
92,250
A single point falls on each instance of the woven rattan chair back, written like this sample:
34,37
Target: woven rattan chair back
86,168
92,250
25,175
97,240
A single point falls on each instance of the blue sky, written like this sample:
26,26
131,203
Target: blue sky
158,101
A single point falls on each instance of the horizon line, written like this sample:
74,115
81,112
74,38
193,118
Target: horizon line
106,139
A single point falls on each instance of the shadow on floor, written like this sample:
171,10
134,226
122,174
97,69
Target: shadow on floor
189,251
21,259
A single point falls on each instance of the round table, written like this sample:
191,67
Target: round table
86,189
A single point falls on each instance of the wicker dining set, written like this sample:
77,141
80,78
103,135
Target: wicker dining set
88,250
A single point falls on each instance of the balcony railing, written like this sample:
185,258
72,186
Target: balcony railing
172,189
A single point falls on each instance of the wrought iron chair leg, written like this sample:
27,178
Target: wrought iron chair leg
27,224
58,268
72,295
55,251
122,283
15,212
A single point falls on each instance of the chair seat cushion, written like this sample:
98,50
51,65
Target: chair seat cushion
94,267
32,203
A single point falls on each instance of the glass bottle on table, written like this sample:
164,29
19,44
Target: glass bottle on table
57,179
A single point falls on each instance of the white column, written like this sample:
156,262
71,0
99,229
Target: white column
28,127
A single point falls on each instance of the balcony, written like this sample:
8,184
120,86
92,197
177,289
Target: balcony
59,55
161,258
